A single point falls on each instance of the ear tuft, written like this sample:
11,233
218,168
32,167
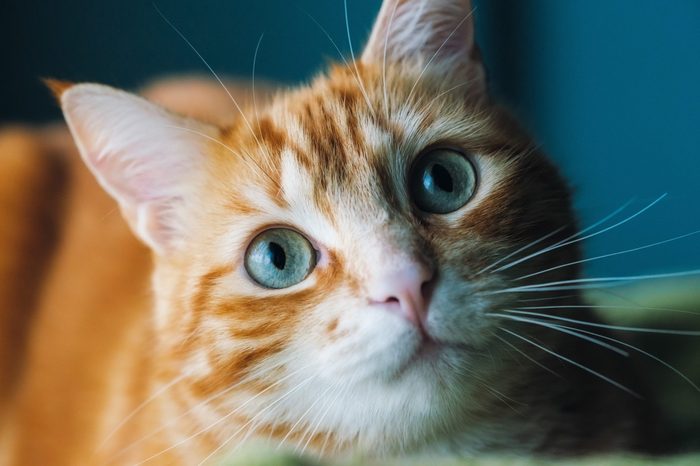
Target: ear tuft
57,86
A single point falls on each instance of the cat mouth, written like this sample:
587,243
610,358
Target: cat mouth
428,350
432,348
429,354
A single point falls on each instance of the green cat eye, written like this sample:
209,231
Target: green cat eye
442,181
279,258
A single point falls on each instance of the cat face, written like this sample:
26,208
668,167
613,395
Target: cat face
325,263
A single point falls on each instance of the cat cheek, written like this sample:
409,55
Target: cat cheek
197,365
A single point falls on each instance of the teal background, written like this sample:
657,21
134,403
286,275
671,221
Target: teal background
611,88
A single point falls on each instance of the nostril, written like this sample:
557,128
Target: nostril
426,288
392,302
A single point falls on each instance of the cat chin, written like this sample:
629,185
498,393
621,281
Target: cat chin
405,412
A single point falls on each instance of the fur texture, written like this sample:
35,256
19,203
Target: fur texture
184,367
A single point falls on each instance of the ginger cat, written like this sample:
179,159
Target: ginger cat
322,268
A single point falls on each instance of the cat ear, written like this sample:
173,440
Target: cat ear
435,34
145,157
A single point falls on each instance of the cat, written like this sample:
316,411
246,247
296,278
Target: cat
326,268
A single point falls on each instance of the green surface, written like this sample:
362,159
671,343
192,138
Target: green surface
267,459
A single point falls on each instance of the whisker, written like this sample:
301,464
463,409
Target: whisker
352,55
328,36
502,398
301,418
498,394
447,91
563,330
222,419
548,298
579,331
527,246
218,79
340,53
602,306
255,61
386,42
526,356
429,62
140,407
604,280
624,328
312,431
598,223
640,248
247,159
641,351
571,237
583,238
212,139
194,49
111,211
574,363
171,422
201,403
545,289
257,415
341,392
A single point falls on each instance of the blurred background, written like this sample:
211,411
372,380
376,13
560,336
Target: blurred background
611,89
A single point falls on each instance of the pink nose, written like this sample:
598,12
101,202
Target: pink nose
405,291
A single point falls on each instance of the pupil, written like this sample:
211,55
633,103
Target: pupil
277,255
442,178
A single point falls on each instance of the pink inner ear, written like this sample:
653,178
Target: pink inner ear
438,34
143,178
146,158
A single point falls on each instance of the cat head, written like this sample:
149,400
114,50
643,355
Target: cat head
325,264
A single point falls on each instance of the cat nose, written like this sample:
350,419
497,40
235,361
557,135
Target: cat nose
405,291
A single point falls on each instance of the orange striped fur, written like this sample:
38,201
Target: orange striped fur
176,356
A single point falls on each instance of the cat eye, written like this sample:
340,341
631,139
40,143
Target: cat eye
279,258
442,181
